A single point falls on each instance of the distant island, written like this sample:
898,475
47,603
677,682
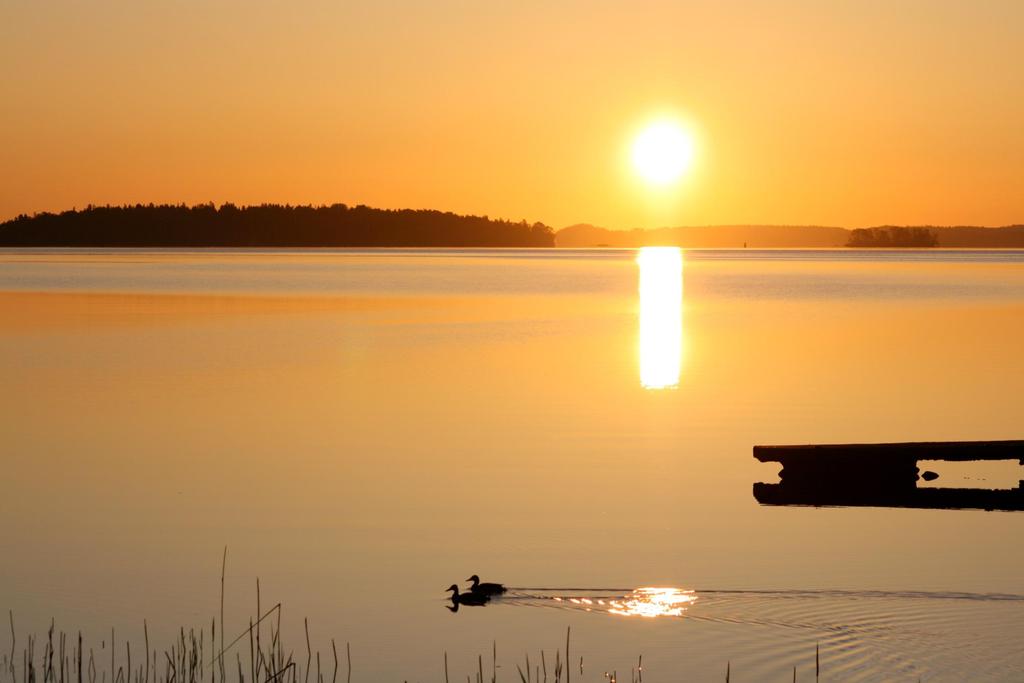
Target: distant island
266,225
339,225
794,236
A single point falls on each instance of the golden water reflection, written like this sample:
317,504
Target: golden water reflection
661,316
641,602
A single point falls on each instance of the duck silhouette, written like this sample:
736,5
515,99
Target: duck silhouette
471,599
485,589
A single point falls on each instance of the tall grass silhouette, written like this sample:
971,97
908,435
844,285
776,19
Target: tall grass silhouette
203,657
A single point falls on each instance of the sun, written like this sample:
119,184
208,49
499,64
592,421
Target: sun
663,152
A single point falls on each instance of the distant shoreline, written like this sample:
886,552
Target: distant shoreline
274,226
266,226
796,237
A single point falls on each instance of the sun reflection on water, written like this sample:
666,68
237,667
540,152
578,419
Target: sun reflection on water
654,602
641,602
661,316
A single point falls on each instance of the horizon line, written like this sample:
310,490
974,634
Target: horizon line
690,226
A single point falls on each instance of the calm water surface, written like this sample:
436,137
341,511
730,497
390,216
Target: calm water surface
362,429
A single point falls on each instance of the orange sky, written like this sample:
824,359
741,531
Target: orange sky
839,113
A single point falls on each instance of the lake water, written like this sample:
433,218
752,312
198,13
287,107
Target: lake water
363,428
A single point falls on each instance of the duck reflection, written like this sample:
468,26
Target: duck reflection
661,316
469,599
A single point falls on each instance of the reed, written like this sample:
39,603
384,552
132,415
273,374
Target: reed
223,569
568,669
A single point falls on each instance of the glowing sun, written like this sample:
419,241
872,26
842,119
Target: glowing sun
663,152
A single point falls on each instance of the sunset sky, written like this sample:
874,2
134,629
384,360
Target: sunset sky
803,112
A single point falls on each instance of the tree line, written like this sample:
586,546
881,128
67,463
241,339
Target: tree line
892,236
266,225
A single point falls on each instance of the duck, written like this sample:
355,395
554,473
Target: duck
472,599
487,589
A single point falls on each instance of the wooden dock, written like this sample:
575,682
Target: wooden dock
882,475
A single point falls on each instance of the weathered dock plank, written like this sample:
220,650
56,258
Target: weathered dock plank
912,450
927,498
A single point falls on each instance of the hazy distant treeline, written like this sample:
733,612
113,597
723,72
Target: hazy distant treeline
705,236
892,236
795,236
266,225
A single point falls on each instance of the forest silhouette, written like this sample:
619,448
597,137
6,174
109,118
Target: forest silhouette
339,225
893,236
266,225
